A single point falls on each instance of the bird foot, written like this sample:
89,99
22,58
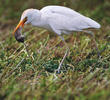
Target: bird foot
58,71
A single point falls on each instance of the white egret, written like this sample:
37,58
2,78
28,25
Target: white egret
58,19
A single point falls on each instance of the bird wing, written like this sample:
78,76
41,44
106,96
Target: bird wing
63,19
60,10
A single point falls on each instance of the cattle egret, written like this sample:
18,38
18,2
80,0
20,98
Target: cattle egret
58,19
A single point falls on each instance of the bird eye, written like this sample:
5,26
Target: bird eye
25,19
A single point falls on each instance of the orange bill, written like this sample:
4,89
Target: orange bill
21,24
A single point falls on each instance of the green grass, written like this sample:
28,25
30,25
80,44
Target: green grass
84,76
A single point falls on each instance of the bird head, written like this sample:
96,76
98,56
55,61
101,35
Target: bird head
26,18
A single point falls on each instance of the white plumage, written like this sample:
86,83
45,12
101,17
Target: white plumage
59,19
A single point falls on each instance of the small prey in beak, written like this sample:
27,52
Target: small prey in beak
17,32
18,35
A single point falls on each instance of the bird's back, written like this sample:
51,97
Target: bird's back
60,10
63,19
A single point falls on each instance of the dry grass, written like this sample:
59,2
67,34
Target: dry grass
84,76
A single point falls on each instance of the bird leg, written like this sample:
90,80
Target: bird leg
93,38
66,53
